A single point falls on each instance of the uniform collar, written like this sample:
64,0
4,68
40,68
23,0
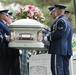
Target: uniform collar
60,16
4,22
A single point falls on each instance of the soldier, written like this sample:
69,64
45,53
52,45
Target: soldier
66,13
61,42
54,16
8,56
15,65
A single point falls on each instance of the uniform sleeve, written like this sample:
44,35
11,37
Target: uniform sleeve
59,32
5,28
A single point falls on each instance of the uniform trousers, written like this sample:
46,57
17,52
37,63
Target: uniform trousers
60,64
9,65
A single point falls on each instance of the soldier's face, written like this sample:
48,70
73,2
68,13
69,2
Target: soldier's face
66,15
9,21
54,14
6,18
60,11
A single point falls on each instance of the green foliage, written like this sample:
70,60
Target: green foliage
72,17
70,7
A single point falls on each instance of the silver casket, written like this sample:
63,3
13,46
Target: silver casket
26,34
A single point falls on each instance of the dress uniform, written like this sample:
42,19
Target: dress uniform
52,8
8,56
15,67
61,44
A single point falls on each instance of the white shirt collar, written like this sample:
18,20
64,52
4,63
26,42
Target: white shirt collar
4,21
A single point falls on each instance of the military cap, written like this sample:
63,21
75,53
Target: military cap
51,8
3,11
10,13
61,6
67,12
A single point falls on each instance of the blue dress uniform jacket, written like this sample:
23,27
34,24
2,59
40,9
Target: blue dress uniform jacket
4,49
61,30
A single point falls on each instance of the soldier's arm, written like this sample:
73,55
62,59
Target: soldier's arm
5,28
59,32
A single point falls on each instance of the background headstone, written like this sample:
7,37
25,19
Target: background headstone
40,64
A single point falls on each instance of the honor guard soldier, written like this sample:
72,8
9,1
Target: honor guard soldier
53,15
61,42
66,13
15,62
9,64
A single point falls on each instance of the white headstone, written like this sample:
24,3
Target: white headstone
40,64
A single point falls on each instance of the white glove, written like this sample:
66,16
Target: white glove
46,42
7,37
1,38
49,34
45,38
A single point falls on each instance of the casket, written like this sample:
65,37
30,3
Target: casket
26,34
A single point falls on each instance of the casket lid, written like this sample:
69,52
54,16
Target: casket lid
26,23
